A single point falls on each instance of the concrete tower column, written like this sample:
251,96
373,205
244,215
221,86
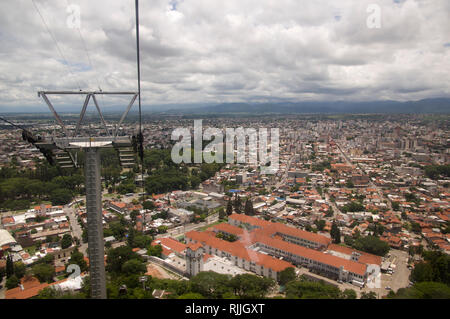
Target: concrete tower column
96,246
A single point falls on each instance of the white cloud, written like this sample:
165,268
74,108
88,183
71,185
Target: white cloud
228,51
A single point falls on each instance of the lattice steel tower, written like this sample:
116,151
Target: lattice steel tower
61,150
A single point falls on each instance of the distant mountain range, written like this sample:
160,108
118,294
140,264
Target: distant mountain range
432,105
436,105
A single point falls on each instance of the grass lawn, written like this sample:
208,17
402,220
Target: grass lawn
31,250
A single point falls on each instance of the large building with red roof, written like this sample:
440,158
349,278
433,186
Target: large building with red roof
267,248
290,234
238,254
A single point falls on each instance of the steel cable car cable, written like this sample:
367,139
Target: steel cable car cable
30,138
56,43
139,140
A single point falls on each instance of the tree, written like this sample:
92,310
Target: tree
191,295
66,241
60,197
44,272
404,216
20,269
229,207
162,229
48,259
237,204
306,289
12,282
372,245
51,293
9,266
149,204
117,257
396,206
353,206
335,233
195,181
422,272
76,257
348,240
222,214
349,294
320,224
211,284
419,249
133,267
423,290
155,250
434,171
436,267
84,235
287,276
142,241
248,210
2,273
130,238
368,295
134,214
249,286
118,229
411,250
415,227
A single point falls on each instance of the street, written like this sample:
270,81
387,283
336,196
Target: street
75,227
378,189
285,175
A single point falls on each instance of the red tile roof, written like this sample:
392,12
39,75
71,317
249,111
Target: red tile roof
171,244
298,233
194,246
230,229
238,249
365,258
119,204
250,220
31,288
270,229
7,220
351,266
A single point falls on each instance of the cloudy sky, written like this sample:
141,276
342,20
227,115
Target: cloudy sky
197,51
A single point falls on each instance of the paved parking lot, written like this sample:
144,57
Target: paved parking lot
399,279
